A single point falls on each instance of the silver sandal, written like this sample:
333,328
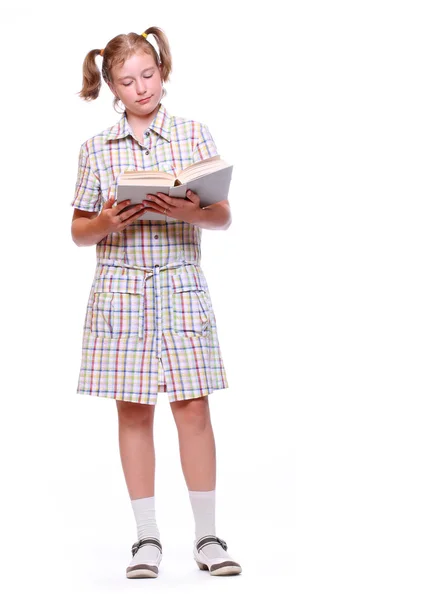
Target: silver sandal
216,566
145,569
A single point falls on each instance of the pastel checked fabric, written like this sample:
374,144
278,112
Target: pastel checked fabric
149,320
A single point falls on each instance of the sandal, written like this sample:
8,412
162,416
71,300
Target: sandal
139,569
216,566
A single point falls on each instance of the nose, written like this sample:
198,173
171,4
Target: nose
140,86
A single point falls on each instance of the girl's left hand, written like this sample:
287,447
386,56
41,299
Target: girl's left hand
183,209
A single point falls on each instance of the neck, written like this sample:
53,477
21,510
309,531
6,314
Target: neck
138,122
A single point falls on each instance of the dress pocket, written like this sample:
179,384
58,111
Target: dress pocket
115,313
191,312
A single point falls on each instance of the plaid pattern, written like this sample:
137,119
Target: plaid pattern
149,319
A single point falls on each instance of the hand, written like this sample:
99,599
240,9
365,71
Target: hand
178,208
115,218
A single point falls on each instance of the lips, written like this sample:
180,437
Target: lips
144,100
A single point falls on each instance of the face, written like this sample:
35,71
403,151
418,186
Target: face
138,84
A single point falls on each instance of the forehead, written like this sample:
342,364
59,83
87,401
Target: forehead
134,64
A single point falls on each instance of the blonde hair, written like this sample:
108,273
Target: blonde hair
116,52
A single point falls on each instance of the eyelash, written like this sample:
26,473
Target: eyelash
145,77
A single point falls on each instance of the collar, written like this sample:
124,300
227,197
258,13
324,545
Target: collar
161,125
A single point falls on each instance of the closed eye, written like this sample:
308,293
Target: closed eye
145,77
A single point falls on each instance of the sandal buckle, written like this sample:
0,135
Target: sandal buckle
222,543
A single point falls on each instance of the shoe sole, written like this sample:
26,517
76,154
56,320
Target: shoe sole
224,569
142,571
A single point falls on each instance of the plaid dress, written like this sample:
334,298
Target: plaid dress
149,323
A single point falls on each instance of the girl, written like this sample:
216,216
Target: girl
150,325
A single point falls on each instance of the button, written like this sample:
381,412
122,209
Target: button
156,237
156,265
147,152
147,133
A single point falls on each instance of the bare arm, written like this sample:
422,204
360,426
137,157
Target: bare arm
89,228
215,216
85,228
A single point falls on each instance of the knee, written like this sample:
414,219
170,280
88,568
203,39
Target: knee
192,414
131,414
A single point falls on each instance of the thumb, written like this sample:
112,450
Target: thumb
192,195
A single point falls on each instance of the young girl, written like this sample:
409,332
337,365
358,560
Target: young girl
150,325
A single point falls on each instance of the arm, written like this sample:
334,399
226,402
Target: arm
86,229
215,216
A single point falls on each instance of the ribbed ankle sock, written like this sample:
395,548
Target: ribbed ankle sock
145,517
204,509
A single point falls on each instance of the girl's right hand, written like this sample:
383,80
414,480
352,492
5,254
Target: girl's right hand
114,218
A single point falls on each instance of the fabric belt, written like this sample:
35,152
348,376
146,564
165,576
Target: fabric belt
120,263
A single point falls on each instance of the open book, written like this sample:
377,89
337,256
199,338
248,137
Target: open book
209,178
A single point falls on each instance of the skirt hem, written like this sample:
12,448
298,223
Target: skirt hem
173,396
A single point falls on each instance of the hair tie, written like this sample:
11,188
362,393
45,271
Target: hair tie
101,52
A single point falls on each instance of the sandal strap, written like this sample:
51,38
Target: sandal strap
144,542
210,539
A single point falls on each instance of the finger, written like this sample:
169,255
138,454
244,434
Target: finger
155,209
155,199
127,221
125,215
109,203
158,202
122,206
170,200
136,215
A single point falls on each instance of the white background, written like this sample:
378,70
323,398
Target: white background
317,289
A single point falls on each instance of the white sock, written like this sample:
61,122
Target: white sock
203,506
145,517
204,509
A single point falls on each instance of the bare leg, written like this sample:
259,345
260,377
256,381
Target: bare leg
196,442
136,447
198,459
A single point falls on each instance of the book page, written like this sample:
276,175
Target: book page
146,177
203,167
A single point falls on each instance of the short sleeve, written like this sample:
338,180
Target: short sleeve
205,148
87,187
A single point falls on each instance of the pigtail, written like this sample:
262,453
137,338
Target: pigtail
91,77
165,57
